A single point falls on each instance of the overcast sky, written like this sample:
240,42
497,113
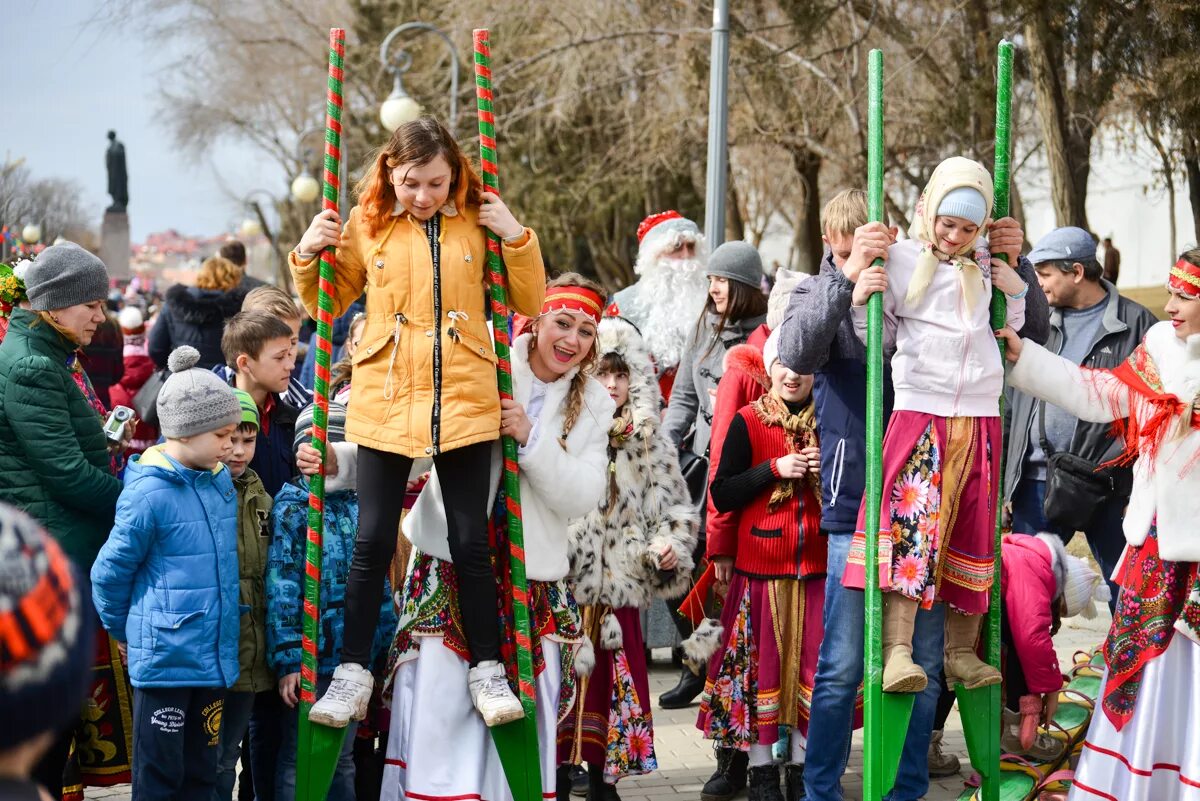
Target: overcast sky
68,81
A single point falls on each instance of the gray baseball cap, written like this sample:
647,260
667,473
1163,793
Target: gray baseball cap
1064,244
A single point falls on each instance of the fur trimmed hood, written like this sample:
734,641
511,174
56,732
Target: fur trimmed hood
748,359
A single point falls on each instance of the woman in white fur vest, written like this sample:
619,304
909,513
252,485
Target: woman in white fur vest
1142,744
439,748
634,547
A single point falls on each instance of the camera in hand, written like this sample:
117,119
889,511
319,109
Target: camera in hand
116,422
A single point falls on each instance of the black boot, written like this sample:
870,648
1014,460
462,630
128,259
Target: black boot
562,783
764,784
729,779
598,789
579,781
684,693
794,779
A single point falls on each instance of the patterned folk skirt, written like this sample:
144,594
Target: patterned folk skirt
937,523
614,728
762,678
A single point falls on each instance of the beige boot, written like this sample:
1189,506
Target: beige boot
962,665
900,675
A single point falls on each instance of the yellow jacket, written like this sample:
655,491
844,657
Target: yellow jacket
424,376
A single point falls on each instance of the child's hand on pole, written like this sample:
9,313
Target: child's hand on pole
496,217
324,231
871,241
870,281
308,460
1012,342
289,689
1005,279
1006,237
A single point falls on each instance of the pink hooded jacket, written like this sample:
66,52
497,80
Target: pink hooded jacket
1029,583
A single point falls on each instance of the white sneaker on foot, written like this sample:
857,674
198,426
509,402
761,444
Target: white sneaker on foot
346,699
492,696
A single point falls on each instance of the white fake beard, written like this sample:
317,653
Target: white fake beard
668,300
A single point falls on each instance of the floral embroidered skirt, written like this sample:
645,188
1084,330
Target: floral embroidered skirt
762,677
439,748
938,517
1143,743
614,728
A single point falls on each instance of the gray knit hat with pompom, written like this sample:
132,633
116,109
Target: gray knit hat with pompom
194,401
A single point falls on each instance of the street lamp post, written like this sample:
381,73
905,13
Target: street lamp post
718,110
399,107
253,226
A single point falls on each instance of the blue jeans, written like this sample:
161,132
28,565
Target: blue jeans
235,722
285,776
840,671
1104,534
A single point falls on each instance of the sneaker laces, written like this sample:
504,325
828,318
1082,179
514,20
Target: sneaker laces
494,688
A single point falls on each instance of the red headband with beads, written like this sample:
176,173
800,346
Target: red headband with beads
1185,278
573,299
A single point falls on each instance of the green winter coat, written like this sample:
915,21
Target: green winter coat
54,459
254,538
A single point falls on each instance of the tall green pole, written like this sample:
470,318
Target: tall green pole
318,746
873,779
516,742
980,709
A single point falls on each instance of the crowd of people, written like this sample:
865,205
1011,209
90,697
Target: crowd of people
691,440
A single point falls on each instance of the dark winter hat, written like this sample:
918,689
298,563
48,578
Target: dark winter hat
337,424
737,261
1064,244
65,275
46,632
194,401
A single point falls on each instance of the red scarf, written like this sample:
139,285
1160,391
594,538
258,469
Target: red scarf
1140,374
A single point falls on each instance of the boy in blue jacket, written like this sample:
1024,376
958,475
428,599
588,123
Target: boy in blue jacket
166,585
285,600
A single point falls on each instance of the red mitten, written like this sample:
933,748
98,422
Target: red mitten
1031,714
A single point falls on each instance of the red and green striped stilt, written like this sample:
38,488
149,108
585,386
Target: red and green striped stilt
516,742
318,747
980,709
885,715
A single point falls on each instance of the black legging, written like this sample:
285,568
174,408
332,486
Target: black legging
465,475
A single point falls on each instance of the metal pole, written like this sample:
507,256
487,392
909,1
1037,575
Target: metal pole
718,112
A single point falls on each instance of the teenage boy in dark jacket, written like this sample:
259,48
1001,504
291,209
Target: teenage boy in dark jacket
817,336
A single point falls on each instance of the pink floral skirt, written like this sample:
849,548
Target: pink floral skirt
763,676
937,523
614,728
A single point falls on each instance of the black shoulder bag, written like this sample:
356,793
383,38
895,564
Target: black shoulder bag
1074,488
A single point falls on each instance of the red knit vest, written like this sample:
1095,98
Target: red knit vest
786,543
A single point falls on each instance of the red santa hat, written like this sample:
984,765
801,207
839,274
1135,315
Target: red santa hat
659,227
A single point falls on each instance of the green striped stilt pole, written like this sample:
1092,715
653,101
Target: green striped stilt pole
318,746
516,742
885,715
980,709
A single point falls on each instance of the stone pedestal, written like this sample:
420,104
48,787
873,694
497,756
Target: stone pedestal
114,244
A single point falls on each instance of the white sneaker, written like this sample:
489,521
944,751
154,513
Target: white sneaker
346,699
492,696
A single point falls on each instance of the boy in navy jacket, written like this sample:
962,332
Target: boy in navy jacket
166,584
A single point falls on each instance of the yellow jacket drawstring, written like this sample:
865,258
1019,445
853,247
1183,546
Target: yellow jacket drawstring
387,381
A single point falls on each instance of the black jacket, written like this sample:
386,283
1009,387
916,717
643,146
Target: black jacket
193,317
1121,330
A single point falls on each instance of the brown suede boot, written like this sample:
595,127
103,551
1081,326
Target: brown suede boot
962,665
900,675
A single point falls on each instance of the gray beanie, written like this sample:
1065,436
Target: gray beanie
737,261
194,401
65,275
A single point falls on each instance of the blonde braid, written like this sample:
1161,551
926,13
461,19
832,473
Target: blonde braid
574,403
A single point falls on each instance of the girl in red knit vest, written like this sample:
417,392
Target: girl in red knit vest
761,679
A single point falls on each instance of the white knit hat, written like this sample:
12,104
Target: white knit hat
781,293
771,351
1083,587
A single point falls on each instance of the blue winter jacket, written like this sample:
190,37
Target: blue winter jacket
285,581
166,581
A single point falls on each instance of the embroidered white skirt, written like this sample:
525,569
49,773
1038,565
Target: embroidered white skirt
1156,755
439,749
